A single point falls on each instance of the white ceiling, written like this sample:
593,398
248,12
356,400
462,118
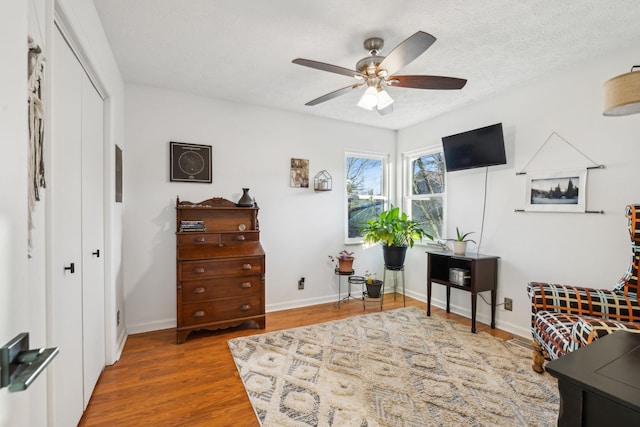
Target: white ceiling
241,50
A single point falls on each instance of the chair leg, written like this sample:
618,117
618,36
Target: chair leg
538,358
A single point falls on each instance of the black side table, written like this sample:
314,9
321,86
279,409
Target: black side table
483,276
599,384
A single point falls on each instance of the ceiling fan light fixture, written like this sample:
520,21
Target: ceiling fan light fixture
369,99
376,71
383,99
622,94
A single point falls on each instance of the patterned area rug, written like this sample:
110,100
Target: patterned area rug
394,368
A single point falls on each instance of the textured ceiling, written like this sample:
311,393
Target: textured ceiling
241,50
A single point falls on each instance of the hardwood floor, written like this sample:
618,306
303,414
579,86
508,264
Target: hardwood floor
157,382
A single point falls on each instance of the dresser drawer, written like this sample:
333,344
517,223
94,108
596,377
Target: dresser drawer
193,238
224,287
216,311
246,266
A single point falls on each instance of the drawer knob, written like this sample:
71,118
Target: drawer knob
200,313
247,266
245,307
200,239
199,290
199,270
240,237
246,285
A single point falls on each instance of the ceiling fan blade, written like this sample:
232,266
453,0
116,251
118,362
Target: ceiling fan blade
328,67
427,82
334,94
407,51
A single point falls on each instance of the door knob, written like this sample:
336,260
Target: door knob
96,253
71,267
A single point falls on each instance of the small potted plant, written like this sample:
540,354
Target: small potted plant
373,285
460,242
343,261
396,232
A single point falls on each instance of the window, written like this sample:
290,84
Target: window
366,185
425,196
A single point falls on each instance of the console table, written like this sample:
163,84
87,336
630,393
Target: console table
483,271
599,384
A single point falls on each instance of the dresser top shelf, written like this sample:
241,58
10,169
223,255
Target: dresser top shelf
213,203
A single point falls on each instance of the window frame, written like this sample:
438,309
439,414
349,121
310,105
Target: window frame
407,191
384,158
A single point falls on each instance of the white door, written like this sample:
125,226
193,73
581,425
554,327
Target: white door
77,236
66,392
93,335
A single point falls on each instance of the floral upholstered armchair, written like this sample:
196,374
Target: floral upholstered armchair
565,318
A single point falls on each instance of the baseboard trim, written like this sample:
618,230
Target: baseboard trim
122,340
151,326
462,311
313,301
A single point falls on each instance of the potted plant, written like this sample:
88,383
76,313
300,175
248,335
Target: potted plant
396,232
460,242
373,285
343,261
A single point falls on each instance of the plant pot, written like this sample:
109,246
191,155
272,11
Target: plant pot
459,248
394,255
345,264
373,289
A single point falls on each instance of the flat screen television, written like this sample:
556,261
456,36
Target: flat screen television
474,149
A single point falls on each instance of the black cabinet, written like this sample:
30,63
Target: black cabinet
480,274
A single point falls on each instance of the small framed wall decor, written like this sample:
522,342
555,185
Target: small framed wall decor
190,162
299,173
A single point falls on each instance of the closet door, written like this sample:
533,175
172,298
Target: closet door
77,237
65,320
93,336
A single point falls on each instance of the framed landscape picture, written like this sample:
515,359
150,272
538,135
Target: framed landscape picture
190,162
557,191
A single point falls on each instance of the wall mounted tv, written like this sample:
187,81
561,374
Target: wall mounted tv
474,149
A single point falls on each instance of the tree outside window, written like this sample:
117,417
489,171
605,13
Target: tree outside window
425,190
366,186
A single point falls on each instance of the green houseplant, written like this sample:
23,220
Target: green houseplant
396,232
460,242
343,261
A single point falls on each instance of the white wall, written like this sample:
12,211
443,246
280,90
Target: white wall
14,288
252,147
582,249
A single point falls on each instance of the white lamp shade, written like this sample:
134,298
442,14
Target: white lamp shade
384,100
622,95
369,99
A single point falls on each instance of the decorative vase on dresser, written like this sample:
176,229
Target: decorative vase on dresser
220,266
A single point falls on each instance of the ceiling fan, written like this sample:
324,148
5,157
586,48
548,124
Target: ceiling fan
376,72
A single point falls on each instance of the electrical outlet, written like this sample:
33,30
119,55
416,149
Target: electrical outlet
508,304
301,283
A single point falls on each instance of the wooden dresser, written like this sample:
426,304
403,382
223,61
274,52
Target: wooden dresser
220,266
